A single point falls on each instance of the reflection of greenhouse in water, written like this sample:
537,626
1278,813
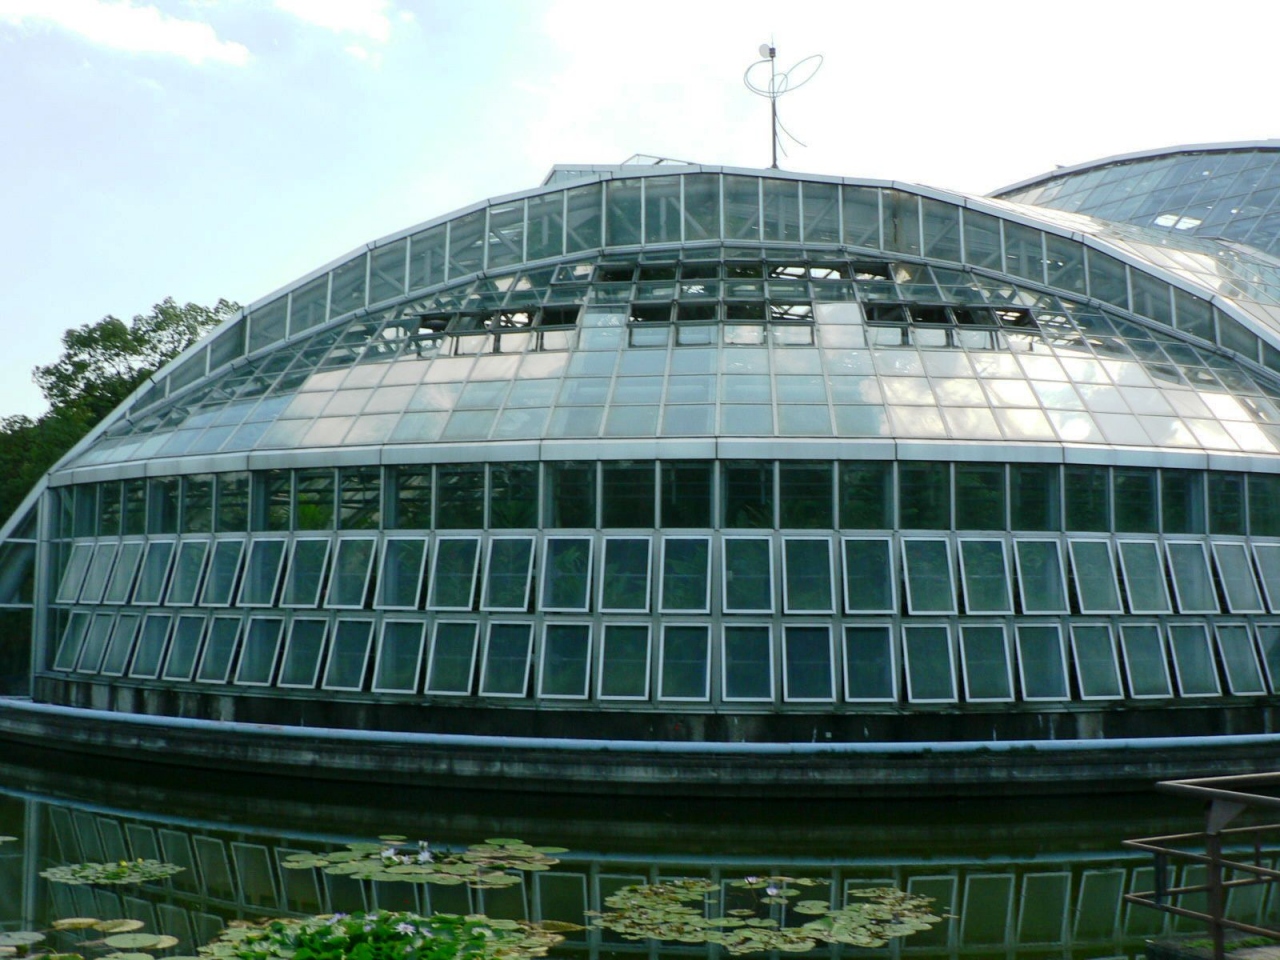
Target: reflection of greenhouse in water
733,479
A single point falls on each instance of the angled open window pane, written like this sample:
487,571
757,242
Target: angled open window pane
1193,660
453,573
1240,659
1096,666
73,576
306,572
1040,578
1236,573
624,662
262,573
155,573
930,663
219,586
985,570
566,658
95,581
188,570
95,642
748,575
747,668
1145,661
1268,557
624,585
400,577
1192,582
261,647
870,667
684,672
505,672
1269,641
352,564
686,581
988,671
396,667
348,655
121,644
566,574
184,648
868,575
121,583
806,585
219,650
302,652
453,658
151,644
930,588
1095,576
1144,582
807,674
1042,662
507,573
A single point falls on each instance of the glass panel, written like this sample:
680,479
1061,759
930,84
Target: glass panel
624,585
748,575
302,652
1096,666
155,633
223,570
624,662
988,674
1269,641
349,582
686,494
460,496
1182,501
215,664
984,568
453,658
747,491
686,582
1042,662
930,664
399,656
627,493
684,669
1240,659
929,585
411,498
807,575
187,570
1268,557
1087,491
1040,579
1191,581
1095,576
1193,660
359,498
95,642
1236,574
184,648
805,500
566,653
453,573
155,572
95,581
1144,660
233,503
348,655
1137,505
261,645
1226,503
566,574
121,644
866,495
1144,580
262,572
869,665
513,495
1033,497
121,582
506,660
806,661
1264,505
571,494
924,496
313,499
400,577
748,663
980,500
306,573
506,579
868,576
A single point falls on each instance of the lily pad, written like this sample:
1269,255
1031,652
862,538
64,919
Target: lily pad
20,938
133,941
77,923
119,926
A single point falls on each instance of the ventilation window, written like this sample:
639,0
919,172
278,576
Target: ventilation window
700,271
650,313
615,272
937,316
1010,317
696,312
558,317
889,314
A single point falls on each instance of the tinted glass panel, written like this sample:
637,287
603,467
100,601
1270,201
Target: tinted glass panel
1145,661
506,660
223,570
986,577
1193,660
566,654
453,574
930,673
215,665
1240,659
928,564
624,662
453,657
262,572
1236,574
306,573
301,666
566,574
985,654
748,663
1191,579
684,663
1044,675
868,576
184,647
869,663
1040,576
349,582
807,575
261,644
1144,577
400,579
807,663
348,655
1096,666
399,656
1095,576
685,568
625,581
507,581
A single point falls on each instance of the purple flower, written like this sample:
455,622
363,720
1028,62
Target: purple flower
771,890
408,929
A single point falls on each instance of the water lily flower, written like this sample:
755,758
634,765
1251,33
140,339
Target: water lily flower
406,928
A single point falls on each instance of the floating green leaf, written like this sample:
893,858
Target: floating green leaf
123,871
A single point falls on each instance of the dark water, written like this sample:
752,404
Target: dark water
1023,878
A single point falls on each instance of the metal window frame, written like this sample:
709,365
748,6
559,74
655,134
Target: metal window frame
588,660
435,550
725,540
289,649
128,548
155,544
648,575
64,594
1008,661
379,597
107,549
1250,644
1022,579
545,579
528,659
528,574
765,625
961,542
1076,567
1115,661
421,624
1208,646
648,660
244,649
1163,643
329,601
1220,547
830,608
908,542
292,570
207,601
662,578
907,628
246,580
1271,676
201,568
889,572
1158,558
335,629
173,646
164,644
471,669
662,659
239,622
895,672
831,664
125,615
1056,627
1261,550
1169,546
99,616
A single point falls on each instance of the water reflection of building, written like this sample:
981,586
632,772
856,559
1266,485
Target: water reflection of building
737,480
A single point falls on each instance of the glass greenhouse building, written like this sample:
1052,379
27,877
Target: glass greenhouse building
682,477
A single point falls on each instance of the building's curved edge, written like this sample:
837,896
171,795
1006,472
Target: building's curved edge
600,766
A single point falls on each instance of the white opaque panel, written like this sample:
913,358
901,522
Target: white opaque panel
155,572
121,644
1097,669
121,583
988,668
1095,574
95,642
1268,557
869,583
984,569
930,663
686,575
1239,659
746,665
188,570
400,576
1144,581
624,662
566,574
807,674
870,663
399,659
151,645
348,654
95,580
305,578
184,648
303,651
453,573
1235,572
1192,582
262,573
1042,662
224,568
506,574
565,670
1269,642
260,651
505,670
73,575
807,575
1145,661
352,565
1193,660
747,574
625,575
219,650
930,585
1041,582
453,657
684,662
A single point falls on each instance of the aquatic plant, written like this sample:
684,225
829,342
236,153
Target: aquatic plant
120,938
122,871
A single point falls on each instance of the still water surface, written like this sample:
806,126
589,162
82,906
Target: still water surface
1021,878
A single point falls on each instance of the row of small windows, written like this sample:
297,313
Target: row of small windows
730,494
875,662
637,575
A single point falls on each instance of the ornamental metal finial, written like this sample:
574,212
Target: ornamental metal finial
780,82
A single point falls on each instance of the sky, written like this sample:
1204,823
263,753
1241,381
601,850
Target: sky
201,149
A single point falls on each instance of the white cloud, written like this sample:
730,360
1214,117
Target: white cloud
121,25
365,18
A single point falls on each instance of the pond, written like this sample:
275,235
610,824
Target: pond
1013,878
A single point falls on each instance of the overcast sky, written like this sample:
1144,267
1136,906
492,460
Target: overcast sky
221,148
